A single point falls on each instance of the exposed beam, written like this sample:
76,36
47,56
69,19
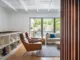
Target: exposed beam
7,3
23,4
49,9
37,2
50,5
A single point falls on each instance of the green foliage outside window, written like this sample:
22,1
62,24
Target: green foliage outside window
57,24
47,22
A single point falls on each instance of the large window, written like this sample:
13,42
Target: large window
57,25
35,27
39,27
48,26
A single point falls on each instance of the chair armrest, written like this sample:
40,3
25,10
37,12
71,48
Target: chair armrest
36,43
35,38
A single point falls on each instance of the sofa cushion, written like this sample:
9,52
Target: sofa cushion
56,39
52,35
57,35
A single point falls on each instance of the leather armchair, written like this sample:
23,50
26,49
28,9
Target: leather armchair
30,46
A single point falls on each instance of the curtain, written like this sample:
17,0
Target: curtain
70,29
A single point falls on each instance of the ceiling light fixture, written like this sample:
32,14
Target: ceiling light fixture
7,3
23,4
37,10
49,9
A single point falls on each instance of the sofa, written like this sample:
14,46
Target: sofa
52,39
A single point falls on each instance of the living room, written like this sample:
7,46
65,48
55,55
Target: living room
39,29
15,19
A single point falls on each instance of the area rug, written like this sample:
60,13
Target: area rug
47,51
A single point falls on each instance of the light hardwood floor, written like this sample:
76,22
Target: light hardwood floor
18,55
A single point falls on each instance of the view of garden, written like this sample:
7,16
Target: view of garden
47,26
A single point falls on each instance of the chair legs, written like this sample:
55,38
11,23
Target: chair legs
33,53
24,53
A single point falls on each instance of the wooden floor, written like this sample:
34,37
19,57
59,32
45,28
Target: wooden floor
18,55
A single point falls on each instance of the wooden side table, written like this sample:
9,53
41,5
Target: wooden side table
58,44
43,40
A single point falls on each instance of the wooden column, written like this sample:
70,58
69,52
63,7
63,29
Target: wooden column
70,29
62,31
78,29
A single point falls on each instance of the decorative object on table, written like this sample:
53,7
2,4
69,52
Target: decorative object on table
4,51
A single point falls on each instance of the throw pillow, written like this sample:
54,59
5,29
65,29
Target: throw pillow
52,35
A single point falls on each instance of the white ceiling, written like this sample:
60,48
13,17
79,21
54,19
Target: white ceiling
32,5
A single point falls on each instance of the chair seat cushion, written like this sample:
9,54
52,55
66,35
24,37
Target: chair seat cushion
37,43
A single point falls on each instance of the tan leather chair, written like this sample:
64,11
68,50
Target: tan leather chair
30,46
32,40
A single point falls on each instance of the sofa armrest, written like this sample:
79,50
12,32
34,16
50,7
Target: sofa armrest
47,36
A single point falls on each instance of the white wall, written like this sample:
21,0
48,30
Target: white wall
20,21
3,19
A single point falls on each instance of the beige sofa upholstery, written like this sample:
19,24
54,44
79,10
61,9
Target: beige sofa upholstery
52,40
